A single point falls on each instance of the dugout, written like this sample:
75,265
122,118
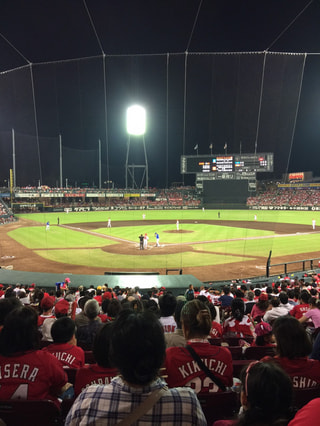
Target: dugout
225,193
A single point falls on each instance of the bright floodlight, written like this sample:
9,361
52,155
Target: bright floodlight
136,120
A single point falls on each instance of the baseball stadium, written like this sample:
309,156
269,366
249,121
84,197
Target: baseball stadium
159,213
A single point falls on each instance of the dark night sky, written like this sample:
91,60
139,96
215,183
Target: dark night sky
68,95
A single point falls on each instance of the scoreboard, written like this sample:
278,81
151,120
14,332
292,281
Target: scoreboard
237,163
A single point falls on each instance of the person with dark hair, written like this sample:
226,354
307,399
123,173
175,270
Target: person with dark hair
216,329
136,305
189,292
225,299
284,301
151,305
64,348
249,304
293,348
176,338
26,372
181,367
100,373
104,314
275,312
260,308
167,304
114,308
299,310
137,350
239,324
6,306
266,397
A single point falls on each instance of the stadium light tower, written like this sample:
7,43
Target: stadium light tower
136,127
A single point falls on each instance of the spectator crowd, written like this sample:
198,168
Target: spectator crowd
109,351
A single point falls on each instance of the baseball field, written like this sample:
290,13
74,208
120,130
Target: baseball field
211,245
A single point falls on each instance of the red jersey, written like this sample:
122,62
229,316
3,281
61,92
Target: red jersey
93,374
304,372
308,414
104,318
183,370
299,310
235,328
98,299
69,355
42,317
31,375
216,330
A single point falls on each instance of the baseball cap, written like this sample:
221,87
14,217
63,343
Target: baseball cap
61,307
263,328
263,296
46,303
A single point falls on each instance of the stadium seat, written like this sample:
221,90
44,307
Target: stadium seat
258,352
215,341
234,341
219,405
236,351
238,365
18,412
66,405
71,373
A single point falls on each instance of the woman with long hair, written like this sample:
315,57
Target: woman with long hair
293,348
26,372
182,363
260,308
238,324
266,397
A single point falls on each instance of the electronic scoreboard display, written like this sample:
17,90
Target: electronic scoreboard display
227,163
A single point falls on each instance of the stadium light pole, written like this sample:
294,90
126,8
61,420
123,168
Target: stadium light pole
136,127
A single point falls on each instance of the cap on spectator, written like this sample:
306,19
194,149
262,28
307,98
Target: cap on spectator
263,328
1,285
61,307
46,303
263,296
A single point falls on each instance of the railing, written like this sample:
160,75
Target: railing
290,267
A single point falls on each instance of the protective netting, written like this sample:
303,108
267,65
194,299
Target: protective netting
248,101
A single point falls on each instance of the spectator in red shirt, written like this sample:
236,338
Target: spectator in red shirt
299,310
98,296
293,349
260,308
27,373
239,324
65,347
100,373
46,306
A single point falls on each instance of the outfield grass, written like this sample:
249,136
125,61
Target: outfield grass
237,244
